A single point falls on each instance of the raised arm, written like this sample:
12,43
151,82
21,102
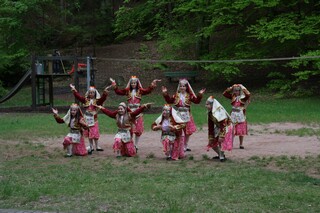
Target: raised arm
227,93
140,110
111,114
77,94
104,95
198,98
246,92
148,90
56,116
167,97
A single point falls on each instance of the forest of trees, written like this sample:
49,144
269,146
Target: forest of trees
183,29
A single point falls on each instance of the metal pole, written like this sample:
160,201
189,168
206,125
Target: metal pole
76,77
88,72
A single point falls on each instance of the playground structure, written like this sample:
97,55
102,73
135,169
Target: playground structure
44,69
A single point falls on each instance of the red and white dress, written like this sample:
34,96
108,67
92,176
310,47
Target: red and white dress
75,135
170,138
238,112
123,139
91,113
134,100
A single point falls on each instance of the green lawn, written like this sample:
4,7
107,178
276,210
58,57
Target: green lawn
33,177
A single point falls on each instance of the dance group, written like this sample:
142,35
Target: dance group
175,122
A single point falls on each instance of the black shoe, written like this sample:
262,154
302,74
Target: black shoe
136,149
241,147
168,158
215,158
68,156
99,149
188,150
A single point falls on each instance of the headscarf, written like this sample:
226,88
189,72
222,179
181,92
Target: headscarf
237,87
240,87
67,117
217,110
173,113
184,81
92,88
123,119
134,79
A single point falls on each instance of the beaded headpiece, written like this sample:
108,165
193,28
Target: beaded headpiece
93,88
124,105
184,81
166,107
210,99
134,79
74,106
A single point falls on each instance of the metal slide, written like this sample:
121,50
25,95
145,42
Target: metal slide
17,87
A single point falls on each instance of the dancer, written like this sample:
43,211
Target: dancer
134,92
74,141
171,126
123,143
92,98
219,128
182,101
240,98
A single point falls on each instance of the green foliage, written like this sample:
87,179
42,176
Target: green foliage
216,30
222,71
3,91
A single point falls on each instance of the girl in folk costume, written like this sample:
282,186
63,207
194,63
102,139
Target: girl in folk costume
182,100
74,141
90,100
134,92
240,98
171,126
125,118
219,128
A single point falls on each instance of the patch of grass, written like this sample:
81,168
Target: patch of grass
303,132
83,184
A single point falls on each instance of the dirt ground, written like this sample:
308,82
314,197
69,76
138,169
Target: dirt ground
263,140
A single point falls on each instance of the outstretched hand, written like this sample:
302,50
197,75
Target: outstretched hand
98,106
72,87
148,105
55,111
154,82
107,88
202,91
164,89
113,82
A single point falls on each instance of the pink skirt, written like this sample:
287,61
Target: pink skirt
93,132
77,148
190,127
241,129
227,144
138,128
126,149
178,149
166,146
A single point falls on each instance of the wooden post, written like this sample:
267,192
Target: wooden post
50,65
51,90
33,83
